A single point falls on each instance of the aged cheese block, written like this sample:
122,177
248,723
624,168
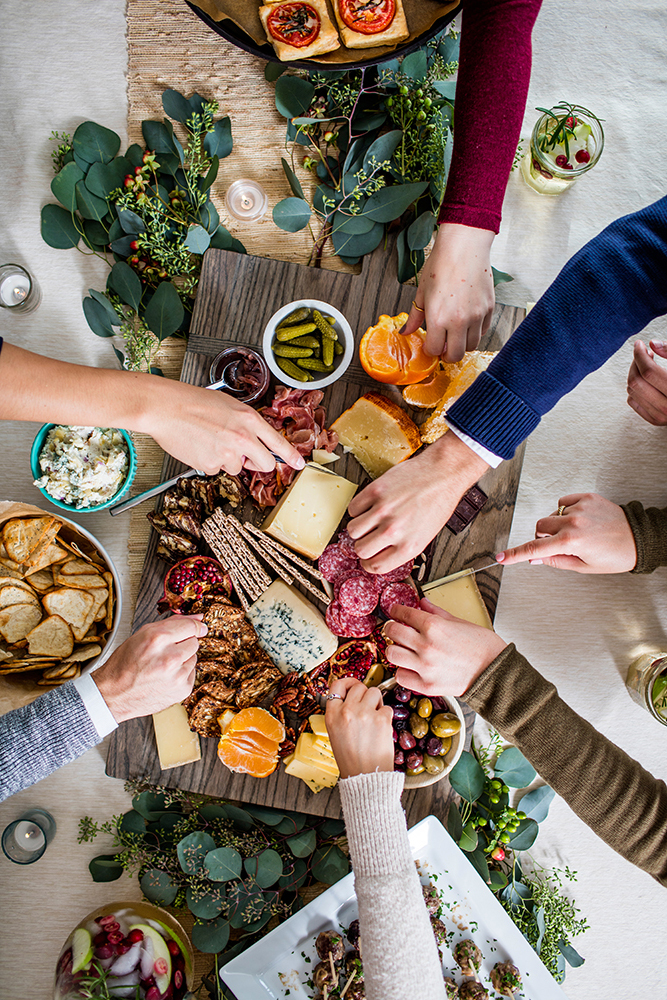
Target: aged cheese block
379,433
307,515
291,629
176,743
461,598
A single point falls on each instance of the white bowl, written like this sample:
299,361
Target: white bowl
342,328
458,742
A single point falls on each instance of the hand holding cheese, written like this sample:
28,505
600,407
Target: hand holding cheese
592,536
437,653
359,727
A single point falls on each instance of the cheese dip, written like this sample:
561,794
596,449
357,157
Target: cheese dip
83,466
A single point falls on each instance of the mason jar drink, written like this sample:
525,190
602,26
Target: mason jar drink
647,684
566,142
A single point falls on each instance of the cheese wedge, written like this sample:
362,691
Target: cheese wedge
313,761
316,780
378,432
291,629
318,725
307,515
461,598
176,743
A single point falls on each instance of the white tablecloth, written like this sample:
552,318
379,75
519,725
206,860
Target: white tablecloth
62,64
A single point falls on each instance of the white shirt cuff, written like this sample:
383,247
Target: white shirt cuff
95,705
479,449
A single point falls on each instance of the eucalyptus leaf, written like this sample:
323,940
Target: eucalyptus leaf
525,836
81,163
197,103
246,904
241,819
89,205
211,936
293,96
176,106
95,143
292,179
131,222
219,142
365,122
223,864
271,817
192,850
97,318
212,810
158,887
389,203
209,218
123,246
295,134
58,229
513,769
164,313
303,844
135,154
296,877
477,859
120,357
358,245
95,235
536,803
448,47
169,164
157,137
329,864
415,66
349,260
266,868
570,954
332,828
420,232
468,839
292,823
497,880
197,239
292,214
352,225
391,66
105,868
273,70
115,230
467,777
126,283
500,276
454,823
114,319
382,149
257,925
151,805
103,178
64,184
446,88
205,183
517,895
449,151
205,905
222,239
541,928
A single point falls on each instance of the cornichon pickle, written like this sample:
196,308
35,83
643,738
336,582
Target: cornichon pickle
338,348
314,365
425,708
418,726
308,341
291,369
330,319
327,352
324,327
291,332
288,351
298,316
445,724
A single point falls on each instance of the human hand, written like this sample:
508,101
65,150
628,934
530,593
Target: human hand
437,653
210,430
396,517
647,383
591,536
455,292
153,669
359,727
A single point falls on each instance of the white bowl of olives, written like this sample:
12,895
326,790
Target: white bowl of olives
429,735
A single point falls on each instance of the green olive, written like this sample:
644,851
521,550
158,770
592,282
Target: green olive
415,770
445,724
425,708
413,702
446,745
434,765
418,726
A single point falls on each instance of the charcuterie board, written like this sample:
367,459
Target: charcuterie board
236,298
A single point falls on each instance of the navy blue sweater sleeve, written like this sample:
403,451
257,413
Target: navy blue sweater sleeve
606,293
41,737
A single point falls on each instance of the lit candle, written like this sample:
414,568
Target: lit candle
29,837
15,289
246,200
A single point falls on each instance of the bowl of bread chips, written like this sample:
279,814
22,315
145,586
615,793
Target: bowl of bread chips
60,598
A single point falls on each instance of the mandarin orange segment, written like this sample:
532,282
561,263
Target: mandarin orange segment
250,741
428,393
244,761
257,720
390,357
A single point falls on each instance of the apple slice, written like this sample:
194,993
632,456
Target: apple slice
160,951
82,949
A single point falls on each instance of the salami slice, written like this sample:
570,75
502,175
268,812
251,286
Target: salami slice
335,561
398,574
347,575
346,541
398,593
342,623
358,595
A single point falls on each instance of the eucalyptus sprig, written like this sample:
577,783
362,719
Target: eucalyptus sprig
150,212
495,836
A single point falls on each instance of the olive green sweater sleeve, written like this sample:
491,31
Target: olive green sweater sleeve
649,527
620,801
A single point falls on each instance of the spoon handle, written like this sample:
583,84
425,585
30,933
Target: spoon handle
154,491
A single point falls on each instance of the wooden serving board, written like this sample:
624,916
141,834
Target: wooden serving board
237,296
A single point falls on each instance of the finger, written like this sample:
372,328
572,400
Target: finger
550,525
416,319
402,635
486,324
357,506
572,563
187,648
387,558
660,348
433,609
414,618
435,343
647,367
571,499
180,627
473,336
649,417
412,680
650,397
536,549
399,656
280,446
456,343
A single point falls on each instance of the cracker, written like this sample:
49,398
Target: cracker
84,653
52,637
17,595
72,605
18,620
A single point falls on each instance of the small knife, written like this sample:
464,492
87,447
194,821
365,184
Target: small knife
457,576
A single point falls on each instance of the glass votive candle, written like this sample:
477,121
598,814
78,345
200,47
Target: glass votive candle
25,840
19,292
246,200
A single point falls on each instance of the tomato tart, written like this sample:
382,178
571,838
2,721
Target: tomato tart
298,29
368,23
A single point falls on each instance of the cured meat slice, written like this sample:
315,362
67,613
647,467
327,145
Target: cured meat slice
335,561
398,593
358,595
347,575
346,541
398,574
342,623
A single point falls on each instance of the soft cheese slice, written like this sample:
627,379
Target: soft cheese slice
307,515
291,629
176,743
313,777
379,433
461,598
310,752
319,726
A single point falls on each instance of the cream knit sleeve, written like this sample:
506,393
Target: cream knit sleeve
400,956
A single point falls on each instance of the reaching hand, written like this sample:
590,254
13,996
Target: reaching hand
437,653
647,383
359,727
396,517
591,536
153,669
455,292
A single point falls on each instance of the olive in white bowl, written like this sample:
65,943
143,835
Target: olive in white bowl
308,344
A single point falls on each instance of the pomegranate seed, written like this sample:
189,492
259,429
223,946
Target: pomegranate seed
173,948
582,156
561,161
135,935
160,967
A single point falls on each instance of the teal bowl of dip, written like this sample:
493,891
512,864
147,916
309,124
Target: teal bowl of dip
36,450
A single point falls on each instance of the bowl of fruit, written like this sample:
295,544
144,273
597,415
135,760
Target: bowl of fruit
126,949
429,734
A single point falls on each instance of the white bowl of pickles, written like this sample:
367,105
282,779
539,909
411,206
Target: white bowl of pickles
308,344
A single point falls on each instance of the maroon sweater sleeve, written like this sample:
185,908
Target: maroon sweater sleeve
491,91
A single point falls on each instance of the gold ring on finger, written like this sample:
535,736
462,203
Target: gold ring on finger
421,309
561,510
387,639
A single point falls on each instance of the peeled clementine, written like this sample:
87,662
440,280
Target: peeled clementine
250,741
390,357
428,393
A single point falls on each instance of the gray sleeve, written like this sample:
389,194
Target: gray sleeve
396,934
43,736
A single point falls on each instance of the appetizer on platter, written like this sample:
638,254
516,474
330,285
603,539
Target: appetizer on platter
369,23
299,29
423,730
390,357
378,432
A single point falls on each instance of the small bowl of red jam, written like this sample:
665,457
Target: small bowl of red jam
244,371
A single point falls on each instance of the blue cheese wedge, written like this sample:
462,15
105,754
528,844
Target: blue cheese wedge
291,629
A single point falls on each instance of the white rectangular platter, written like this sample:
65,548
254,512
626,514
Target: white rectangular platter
279,966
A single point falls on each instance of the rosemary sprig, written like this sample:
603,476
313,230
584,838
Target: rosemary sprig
564,116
